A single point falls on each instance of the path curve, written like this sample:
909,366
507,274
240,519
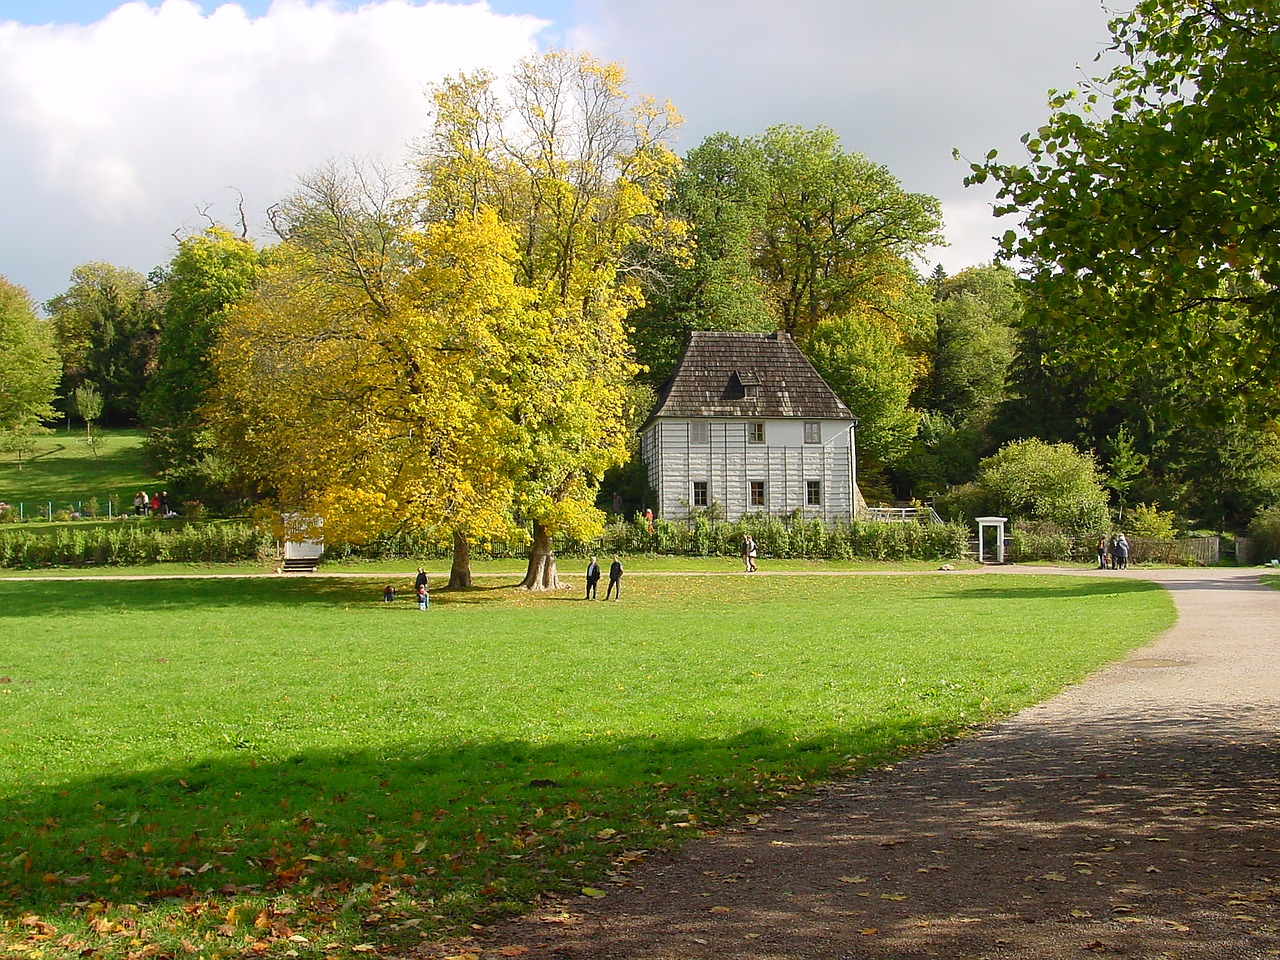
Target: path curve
1133,815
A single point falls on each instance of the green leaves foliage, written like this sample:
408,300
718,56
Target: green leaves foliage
1150,202
1034,480
29,368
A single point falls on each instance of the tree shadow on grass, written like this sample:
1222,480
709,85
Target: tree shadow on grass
1033,588
43,597
452,832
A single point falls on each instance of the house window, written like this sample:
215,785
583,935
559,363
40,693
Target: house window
700,496
812,432
699,431
755,493
755,432
813,493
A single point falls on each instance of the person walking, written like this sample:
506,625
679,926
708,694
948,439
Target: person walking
746,553
615,580
422,588
593,579
751,555
1102,552
1122,552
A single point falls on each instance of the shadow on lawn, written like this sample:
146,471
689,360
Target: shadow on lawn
43,597
431,820
1055,587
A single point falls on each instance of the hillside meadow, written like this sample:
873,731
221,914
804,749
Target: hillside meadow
289,767
66,472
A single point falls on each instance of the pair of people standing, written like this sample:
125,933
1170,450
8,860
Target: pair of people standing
748,554
615,579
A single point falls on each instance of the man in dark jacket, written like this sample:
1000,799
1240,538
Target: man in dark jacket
615,579
593,578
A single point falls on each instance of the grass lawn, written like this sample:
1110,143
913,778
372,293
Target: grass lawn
64,471
288,767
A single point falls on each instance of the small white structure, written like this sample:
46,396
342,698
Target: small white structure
303,542
746,424
991,523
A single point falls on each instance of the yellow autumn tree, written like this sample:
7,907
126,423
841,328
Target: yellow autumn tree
577,171
362,382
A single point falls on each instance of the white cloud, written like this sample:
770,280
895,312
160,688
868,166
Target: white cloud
115,134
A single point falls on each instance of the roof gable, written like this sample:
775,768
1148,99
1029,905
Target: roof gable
757,375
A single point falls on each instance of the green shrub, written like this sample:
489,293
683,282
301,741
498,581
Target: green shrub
1029,540
1150,522
1264,531
1036,481
130,543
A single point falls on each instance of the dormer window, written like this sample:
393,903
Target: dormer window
744,385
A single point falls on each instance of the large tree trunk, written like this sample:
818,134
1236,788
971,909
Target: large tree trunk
541,574
460,572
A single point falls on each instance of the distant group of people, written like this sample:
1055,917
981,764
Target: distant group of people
156,505
749,554
1113,552
421,590
614,589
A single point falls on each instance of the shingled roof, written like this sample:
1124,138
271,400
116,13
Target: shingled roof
729,374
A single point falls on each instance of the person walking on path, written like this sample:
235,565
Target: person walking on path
615,580
1102,552
751,555
746,554
593,578
1122,552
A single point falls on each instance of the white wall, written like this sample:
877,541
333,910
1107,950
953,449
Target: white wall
730,460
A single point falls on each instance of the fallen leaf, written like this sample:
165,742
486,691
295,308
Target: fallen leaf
720,910
853,879
893,896
593,892
868,931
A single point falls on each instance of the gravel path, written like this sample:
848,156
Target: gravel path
1134,815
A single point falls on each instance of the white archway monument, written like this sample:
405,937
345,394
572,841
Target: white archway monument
994,523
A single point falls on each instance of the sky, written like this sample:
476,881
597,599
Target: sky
127,125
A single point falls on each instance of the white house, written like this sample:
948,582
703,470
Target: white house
746,424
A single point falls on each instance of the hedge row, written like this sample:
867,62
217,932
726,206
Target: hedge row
227,542
775,537
132,544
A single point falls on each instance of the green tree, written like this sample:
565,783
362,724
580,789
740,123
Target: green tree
720,190
1149,205
790,230
29,370
88,404
860,355
840,233
107,326
209,273
977,312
